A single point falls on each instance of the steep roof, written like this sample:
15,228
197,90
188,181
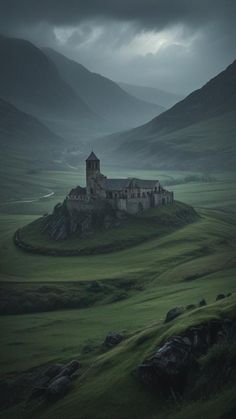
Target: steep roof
92,156
120,184
117,184
146,184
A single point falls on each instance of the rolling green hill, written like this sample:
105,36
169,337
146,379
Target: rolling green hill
207,145
129,291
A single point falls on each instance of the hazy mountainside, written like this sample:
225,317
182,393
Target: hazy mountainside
29,80
215,98
197,132
27,148
152,94
19,129
25,140
103,95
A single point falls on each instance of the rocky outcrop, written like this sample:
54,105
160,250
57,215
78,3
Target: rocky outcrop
220,297
170,368
173,313
58,388
112,339
202,302
63,223
44,383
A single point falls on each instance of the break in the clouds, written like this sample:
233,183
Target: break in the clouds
176,45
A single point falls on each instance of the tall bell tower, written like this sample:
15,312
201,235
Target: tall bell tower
92,170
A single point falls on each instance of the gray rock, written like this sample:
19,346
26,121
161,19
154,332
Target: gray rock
202,302
168,369
58,388
54,370
112,339
68,369
173,313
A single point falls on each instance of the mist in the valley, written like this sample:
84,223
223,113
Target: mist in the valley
86,74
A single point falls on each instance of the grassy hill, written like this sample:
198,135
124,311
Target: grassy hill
206,145
132,231
129,291
108,387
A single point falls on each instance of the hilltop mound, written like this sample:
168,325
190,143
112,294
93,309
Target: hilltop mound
121,231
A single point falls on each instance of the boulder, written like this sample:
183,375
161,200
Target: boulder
173,313
202,302
54,370
112,339
220,297
168,369
69,369
58,388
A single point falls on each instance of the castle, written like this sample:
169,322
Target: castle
130,195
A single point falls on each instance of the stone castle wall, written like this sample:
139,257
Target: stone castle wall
132,205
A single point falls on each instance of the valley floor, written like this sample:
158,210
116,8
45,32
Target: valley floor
180,268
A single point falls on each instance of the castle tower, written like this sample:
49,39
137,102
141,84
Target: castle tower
92,170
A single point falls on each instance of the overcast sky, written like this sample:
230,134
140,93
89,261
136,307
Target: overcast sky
176,45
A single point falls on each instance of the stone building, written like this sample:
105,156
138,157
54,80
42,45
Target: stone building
130,195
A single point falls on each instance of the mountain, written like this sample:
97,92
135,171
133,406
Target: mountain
197,132
23,135
103,95
27,147
30,81
152,94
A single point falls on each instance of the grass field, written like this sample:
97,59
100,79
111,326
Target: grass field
178,268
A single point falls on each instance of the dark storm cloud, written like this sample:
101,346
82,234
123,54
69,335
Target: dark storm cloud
148,13
173,44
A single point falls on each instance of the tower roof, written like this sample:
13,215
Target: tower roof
92,156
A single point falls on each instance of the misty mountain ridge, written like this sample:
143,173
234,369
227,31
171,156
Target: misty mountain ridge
22,132
152,94
31,81
197,132
215,98
103,95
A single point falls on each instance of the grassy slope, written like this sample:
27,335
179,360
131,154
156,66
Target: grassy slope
204,250
132,231
107,388
204,145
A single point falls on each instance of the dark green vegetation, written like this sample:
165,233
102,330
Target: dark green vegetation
66,305
197,132
129,291
131,231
